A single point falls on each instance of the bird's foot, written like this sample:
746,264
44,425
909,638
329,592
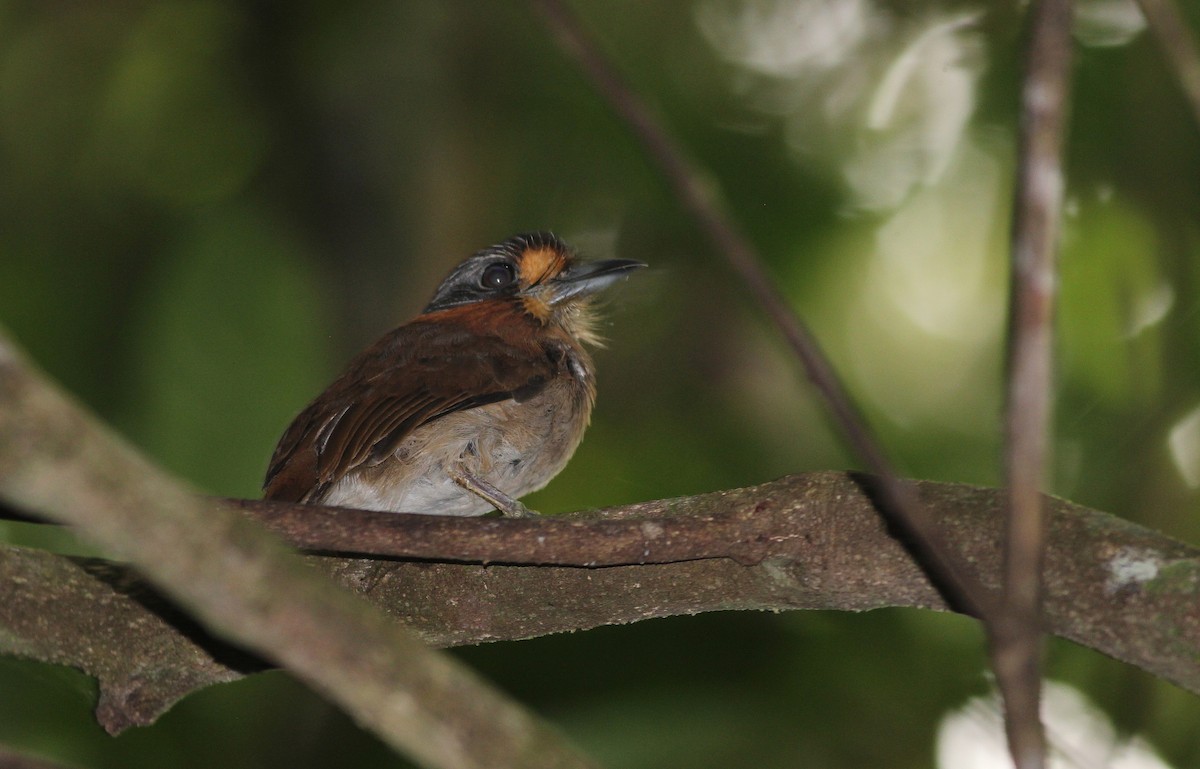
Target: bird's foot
508,507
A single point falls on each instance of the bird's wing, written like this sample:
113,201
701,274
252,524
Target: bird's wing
414,375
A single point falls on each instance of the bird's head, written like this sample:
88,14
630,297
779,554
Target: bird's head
540,274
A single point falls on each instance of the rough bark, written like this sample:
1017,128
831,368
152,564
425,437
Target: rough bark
804,542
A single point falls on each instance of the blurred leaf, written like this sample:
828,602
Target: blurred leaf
1113,296
232,341
176,123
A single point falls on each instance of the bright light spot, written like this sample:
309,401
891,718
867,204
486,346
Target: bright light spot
1105,23
884,100
1149,308
784,38
932,254
1079,733
1184,443
917,114
889,97
925,325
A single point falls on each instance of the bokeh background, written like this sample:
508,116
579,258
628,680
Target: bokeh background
208,206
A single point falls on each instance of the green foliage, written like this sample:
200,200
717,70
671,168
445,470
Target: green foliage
235,304
1114,295
208,205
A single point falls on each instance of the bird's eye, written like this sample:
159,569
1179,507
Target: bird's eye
497,275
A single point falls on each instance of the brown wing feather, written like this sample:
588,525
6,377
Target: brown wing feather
414,375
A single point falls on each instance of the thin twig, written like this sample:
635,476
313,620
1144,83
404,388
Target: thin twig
700,198
1178,46
1016,634
12,760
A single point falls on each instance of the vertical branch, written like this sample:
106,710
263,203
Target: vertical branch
1016,633
699,196
1178,46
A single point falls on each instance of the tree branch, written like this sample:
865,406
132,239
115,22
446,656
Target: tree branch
631,535
13,760
243,584
1111,585
1015,632
700,198
1178,47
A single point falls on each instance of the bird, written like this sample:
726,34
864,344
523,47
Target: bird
476,402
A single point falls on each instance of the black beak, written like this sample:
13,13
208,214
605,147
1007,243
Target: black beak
587,278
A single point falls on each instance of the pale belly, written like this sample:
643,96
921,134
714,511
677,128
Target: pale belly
517,447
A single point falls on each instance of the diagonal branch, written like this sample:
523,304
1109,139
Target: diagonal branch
700,198
1015,633
11,760
246,586
1178,46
